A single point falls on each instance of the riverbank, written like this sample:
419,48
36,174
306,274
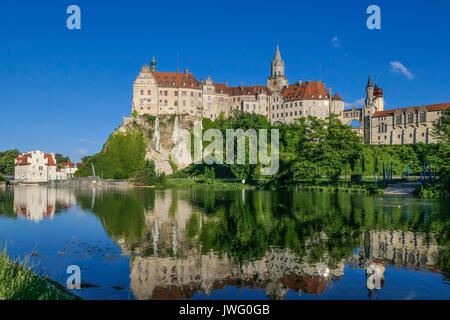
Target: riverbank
18,282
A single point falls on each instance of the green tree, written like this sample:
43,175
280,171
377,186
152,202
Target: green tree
60,158
7,159
122,156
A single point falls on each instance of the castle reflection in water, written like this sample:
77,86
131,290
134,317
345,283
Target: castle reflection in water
183,243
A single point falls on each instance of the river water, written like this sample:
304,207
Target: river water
203,244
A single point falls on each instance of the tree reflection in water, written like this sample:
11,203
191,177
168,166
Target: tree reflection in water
183,242
187,242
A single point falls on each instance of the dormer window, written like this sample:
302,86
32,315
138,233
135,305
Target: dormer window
184,84
320,96
173,84
192,84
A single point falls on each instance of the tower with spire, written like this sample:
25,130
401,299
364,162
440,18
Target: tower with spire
374,103
277,79
153,65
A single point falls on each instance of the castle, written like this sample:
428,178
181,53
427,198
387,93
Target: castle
157,93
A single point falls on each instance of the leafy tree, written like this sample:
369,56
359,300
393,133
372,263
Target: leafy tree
324,148
148,176
7,159
59,158
122,156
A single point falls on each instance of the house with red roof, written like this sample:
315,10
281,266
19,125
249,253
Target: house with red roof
36,166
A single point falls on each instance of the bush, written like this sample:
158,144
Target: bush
148,176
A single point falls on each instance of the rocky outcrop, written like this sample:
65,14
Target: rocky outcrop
168,138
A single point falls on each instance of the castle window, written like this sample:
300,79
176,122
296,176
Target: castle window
423,116
410,118
398,119
149,92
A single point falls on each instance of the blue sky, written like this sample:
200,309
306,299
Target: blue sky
66,90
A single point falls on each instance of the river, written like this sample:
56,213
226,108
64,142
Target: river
142,243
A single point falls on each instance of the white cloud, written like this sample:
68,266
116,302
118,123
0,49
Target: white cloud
335,42
358,103
397,66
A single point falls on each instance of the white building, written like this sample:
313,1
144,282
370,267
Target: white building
36,166
67,168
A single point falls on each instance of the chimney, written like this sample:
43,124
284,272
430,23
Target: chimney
186,72
299,83
331,95
226,83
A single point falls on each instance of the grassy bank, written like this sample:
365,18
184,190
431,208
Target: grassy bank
432,190
209,184
18,282
342,187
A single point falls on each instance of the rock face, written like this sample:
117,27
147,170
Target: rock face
168,138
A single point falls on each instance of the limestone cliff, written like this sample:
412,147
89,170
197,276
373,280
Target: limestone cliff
168,138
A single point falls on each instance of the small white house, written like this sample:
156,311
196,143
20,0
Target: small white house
36,166
68,168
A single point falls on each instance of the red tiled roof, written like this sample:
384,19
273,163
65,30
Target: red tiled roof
23,160
246,91
430,107
337,97
306,90
80,164
176,80
50,160
221,87
68,163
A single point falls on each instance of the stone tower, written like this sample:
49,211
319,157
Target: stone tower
277,80
369,109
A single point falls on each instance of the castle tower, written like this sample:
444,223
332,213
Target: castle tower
277,64
153,65
369,89
369,109
378,94
277,80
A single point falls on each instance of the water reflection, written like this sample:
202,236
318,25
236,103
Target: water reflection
185,243
36,203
